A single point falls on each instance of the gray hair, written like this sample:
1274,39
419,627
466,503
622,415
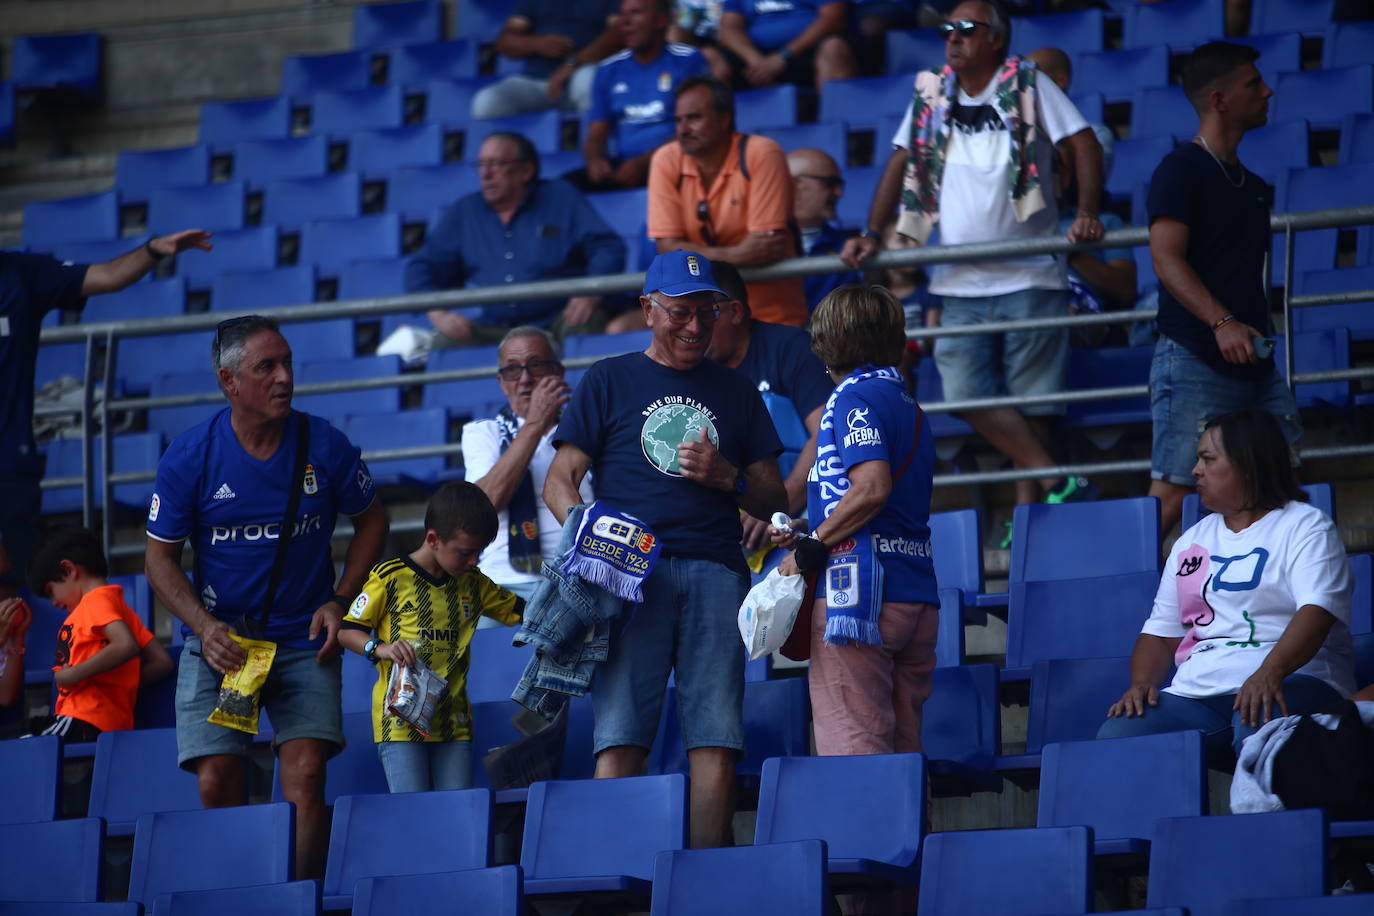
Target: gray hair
530,330
229,346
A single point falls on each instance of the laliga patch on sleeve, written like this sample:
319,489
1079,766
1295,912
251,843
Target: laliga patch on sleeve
153,506
359,605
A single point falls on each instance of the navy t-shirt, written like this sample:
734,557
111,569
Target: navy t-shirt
637,99
630,413
773,23
230,505
581,21
1228,237
876,420
30,286
779,359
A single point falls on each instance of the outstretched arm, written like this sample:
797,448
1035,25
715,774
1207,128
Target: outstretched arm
114,275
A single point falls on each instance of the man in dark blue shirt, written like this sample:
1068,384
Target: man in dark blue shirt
817,187
516,229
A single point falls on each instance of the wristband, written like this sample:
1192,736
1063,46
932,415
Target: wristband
786,53
869,234
341,601
148,247
370,649
1222,320
810,553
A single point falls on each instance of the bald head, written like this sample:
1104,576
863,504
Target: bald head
1055,64
816,186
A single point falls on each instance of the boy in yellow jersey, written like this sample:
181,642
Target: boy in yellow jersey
426,605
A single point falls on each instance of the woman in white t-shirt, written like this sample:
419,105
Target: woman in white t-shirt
1254,604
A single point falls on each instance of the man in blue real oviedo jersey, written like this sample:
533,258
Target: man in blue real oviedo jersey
226,485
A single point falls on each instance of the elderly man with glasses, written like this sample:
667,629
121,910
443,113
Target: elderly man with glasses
682,444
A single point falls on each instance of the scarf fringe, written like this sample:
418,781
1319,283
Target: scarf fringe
600,574
841,631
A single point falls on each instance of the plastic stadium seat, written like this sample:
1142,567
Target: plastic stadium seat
1134,162
375,153
910,50
156,704
139,172
482,18
842,100
131,452
292,202
257,162
491,891
1362,601
1320,495
1278,53
859,185
353,771
175,851
621,209
57,360
92,217
1318,351
1162,111
777,723
295,898
495,665
1072,33
385,25
955,540
71,62
1177,23
468,398
1082,782
304,75
173,421
139,360
1358,317
1090,106
1109,367
1194,861
343,111
52,861
33,778
379,277
448,101
127,908
708,882
445,831
1069,698
415,65
1119,75
829,138
1324,97
869,810
215,207
961,728
136,773
762,109
544,129
330,244
6,111
99,252
1309,17
1344,905
406,429
605,344
413,192
321,361
155,299
225,124
1348,44
1272,150
1357,139
249,290
1322,186
633,819
1037,870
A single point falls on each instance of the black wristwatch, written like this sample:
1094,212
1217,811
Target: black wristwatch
869,234
370,649
340,600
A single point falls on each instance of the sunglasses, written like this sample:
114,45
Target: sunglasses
830,181
227,325
537,368
965,28
708,235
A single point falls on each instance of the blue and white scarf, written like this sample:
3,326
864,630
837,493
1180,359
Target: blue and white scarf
522,512
853,575
614,551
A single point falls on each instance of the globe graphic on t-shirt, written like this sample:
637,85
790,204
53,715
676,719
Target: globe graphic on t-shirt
668,427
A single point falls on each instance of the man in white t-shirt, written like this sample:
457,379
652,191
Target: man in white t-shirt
509,455
976,196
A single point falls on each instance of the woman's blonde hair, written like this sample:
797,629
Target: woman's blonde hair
854,325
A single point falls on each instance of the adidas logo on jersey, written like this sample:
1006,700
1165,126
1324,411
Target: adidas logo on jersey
224,492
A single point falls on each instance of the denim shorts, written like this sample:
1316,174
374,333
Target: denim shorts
687,624
1012,363
424,766
301,698
1185,393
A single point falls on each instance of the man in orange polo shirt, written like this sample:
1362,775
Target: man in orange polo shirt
727,196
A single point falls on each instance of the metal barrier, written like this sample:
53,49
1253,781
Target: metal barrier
103,335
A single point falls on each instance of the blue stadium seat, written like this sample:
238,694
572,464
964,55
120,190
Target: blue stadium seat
931,391
1357,139
415,65
482,18
491,891
859,185
1036,870
99,252
375,153
245,291
869,810
1084,782
225,124
139,172
1344,905
445,831
1310,17
127,908
604,344
708,882
173,421
379,277
413,192
294,898
1348,44
257,162
1108,367
132,452
343,111
292,202
331,244
1321,186
1362,601
448,101
52,861
491,728
1358,317
174,850
57,360
777,723
1318,351
1119,75
1091,106
426,426
1279,53
7,110
304,75
621,209
33,779
1320,495
633,820
386,25
215,207
468,398
760,110
829,138
1134,161
961,727
321,361
955,539
155,299
544,129
136,773
1194,860
355,770
89,218
1324,97
156,704
1162,111
910,50
847,100
1069,698
1272,150
139,360
67,62
495,665
1180,24
1072,33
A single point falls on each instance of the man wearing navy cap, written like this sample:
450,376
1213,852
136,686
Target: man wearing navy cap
681,443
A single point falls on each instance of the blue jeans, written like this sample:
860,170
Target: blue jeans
1014,362
1220,725
421,766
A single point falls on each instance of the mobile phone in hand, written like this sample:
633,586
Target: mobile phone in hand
1264,347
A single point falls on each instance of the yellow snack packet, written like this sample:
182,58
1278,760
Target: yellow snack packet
239,692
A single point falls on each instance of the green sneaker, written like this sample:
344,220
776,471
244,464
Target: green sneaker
1006,538
1071,490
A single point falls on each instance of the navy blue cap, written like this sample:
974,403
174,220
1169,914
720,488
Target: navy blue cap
680,272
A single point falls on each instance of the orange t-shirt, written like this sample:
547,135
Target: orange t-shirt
105,700
736,205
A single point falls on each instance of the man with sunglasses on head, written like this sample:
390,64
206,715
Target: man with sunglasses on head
235,485
974,155
682,444
508,457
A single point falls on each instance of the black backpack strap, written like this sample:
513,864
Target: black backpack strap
288,522
743,162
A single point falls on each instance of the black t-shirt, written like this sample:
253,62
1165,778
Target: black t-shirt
779,359
1228,237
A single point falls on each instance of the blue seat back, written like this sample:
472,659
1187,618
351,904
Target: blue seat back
1356,317
448,101
910,50
215,207
830,138
1050,540
707,882
129,452
1348,44
223,124
344,111
1109,367
155,299
544,129
51,861
1279,52
1118,75
404,429
385,25
1068,618
847,100
495,666
1162,111
961,720
1344,905
859,185
1327,96
331,244
305,75
173,421
491,891
89,218
1072,33
482,18
329,364
764,109
176,850
414,65
1357,139
1134,161
1037,870
1272,150
136,773
294,898
1178,23
291,202
605,344
413,191
33,779
254,248
139,172
1362,599
777,723
1070,696
467,398
72,61
1309,17
955,539
246,291
375,153
258,162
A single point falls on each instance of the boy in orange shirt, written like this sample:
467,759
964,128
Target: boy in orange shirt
103,650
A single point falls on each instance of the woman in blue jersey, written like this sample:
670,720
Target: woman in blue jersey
868,507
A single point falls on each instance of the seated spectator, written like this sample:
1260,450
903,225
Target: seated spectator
1237,16
516,229
560,44
1055,64
104,652
816,189
726,196
632,99
697,23
910,286
787,41
877,17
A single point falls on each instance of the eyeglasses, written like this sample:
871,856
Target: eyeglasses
830,181
965,28
537,368
496,164
679,317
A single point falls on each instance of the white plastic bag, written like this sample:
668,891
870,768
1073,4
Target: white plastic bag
769,611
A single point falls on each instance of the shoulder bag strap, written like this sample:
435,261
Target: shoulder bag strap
288,522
